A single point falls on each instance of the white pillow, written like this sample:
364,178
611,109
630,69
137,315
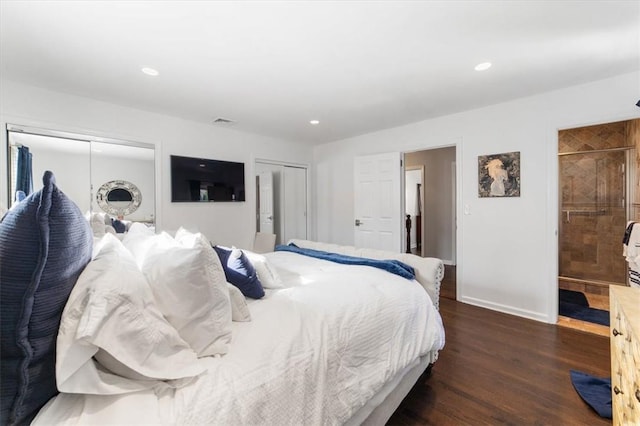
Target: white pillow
98,222
189,285
111,310
138,239
266,272
137,228
239,308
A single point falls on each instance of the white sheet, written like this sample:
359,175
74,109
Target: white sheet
314,353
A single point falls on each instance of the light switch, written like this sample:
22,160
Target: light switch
467,209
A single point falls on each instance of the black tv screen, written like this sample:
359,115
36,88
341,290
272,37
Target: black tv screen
202,180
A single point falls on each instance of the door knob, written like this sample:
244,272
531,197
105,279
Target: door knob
358,222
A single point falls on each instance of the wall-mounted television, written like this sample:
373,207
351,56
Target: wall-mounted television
203,180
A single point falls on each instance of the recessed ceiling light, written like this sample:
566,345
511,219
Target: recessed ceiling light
150,71
483,66
314,122
202,165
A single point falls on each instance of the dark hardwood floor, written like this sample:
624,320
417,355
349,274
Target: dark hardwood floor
499,369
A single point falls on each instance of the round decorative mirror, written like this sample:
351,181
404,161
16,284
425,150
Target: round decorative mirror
119,197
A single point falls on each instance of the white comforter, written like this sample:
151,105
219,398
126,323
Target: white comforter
314,353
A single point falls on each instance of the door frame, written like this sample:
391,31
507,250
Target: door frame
457,212
553,201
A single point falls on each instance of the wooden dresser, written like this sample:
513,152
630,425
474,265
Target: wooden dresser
625,354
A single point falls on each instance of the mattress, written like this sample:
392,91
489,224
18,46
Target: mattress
315,352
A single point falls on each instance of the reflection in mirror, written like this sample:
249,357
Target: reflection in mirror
120,194
119,198
68,159
82,165
127,168
281,200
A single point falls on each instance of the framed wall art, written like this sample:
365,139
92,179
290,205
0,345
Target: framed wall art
499,175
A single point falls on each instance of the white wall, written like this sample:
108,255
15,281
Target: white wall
224,223
506,248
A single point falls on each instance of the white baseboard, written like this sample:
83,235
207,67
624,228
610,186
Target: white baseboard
537,316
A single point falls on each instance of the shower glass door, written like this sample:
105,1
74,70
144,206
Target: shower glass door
594,193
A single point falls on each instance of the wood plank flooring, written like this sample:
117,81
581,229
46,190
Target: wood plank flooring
598,301
587,327
499,369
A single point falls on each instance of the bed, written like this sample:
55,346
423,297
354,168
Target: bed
328,343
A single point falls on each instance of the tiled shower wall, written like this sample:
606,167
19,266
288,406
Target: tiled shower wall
593,212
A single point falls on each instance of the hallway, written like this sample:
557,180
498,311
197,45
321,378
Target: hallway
448,286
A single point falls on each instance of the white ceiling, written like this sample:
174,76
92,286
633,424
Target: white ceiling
357,66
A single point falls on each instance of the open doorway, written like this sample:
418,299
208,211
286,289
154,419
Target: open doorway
413,199
597,199
433,214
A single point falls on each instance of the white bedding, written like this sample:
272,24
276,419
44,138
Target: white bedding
314,353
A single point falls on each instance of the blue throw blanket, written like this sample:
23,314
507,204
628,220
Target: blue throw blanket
393,266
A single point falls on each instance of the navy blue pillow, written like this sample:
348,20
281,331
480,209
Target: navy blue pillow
118,225
240,272
45,243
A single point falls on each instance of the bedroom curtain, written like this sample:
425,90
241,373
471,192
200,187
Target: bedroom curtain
24,175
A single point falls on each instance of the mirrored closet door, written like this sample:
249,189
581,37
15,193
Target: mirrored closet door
100,175
281,200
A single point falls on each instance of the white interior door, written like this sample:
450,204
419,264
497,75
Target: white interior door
295,203
378,209
265,182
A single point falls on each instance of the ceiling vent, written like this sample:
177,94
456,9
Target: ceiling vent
220,121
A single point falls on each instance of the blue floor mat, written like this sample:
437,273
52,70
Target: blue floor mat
594,391
574,304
